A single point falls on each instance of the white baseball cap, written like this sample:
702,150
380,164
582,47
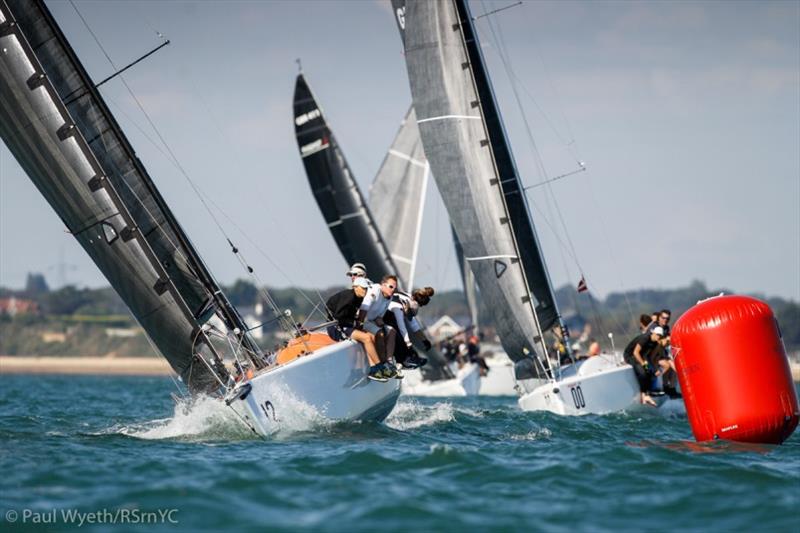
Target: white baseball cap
357,269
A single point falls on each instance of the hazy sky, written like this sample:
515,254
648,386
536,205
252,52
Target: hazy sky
687,115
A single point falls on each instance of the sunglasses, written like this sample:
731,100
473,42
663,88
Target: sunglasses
389,286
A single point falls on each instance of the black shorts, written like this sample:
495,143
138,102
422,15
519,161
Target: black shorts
340,333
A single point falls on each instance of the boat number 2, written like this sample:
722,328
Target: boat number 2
577,397
269,410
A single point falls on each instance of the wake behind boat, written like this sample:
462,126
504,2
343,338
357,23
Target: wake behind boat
56,123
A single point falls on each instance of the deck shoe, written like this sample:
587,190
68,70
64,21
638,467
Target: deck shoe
376,374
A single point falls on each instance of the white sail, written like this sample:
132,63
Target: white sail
397,197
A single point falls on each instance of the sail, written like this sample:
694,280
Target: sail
339,198
58,127
397,197
473,167
468,281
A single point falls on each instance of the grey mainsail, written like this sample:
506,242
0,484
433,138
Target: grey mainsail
54,121
339,198
397,197
472,164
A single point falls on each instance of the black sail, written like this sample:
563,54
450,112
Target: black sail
57,125
336,191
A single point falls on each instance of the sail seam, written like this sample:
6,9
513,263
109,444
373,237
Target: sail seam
407,157
445,117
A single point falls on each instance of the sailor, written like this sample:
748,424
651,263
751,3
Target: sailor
637,354
661,357
370,320
474,354
401,316
343,308
358,270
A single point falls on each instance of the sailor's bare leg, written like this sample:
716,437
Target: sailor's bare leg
368,340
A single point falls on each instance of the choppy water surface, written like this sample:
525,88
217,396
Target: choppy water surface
108,443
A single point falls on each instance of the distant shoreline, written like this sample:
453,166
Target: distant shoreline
86,365
122,366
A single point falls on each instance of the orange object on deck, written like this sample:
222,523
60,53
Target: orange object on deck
304,345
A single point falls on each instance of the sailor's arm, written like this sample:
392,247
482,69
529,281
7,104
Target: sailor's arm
637,354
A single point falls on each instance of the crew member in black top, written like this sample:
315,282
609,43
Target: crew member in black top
637,355
343,308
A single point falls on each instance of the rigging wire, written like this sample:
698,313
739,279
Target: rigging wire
499,41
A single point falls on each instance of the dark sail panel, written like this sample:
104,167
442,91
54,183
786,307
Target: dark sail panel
50,145
335,189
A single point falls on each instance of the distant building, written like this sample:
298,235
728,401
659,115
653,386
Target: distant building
444,327
125,333
54,336
17,306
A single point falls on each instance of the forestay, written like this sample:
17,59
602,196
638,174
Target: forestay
473,167
53,119
339,198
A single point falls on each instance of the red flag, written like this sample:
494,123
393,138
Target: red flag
582,287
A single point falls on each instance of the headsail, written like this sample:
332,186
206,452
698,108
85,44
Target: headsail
397,197
472,163
336,191
57,125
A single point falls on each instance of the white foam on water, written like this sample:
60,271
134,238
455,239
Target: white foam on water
203,417
538,434
292,415
206,418
411,415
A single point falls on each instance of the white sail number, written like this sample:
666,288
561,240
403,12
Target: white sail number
305,117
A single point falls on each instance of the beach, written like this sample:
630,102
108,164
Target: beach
85,365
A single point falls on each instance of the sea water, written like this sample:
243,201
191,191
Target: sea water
118,454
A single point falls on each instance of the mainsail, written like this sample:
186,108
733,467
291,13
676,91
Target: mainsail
397,197
54,121
471,160
336,191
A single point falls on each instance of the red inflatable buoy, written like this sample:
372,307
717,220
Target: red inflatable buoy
733,371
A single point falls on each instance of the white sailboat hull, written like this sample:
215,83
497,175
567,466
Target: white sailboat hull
466,383
598,385
330,383
499,381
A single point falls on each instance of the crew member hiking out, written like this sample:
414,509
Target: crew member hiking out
343,308
370,319
401,316
637,354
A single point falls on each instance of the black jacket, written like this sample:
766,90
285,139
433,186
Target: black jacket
343,307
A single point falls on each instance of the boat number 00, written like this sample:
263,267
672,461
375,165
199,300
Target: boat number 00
577,397
269,410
